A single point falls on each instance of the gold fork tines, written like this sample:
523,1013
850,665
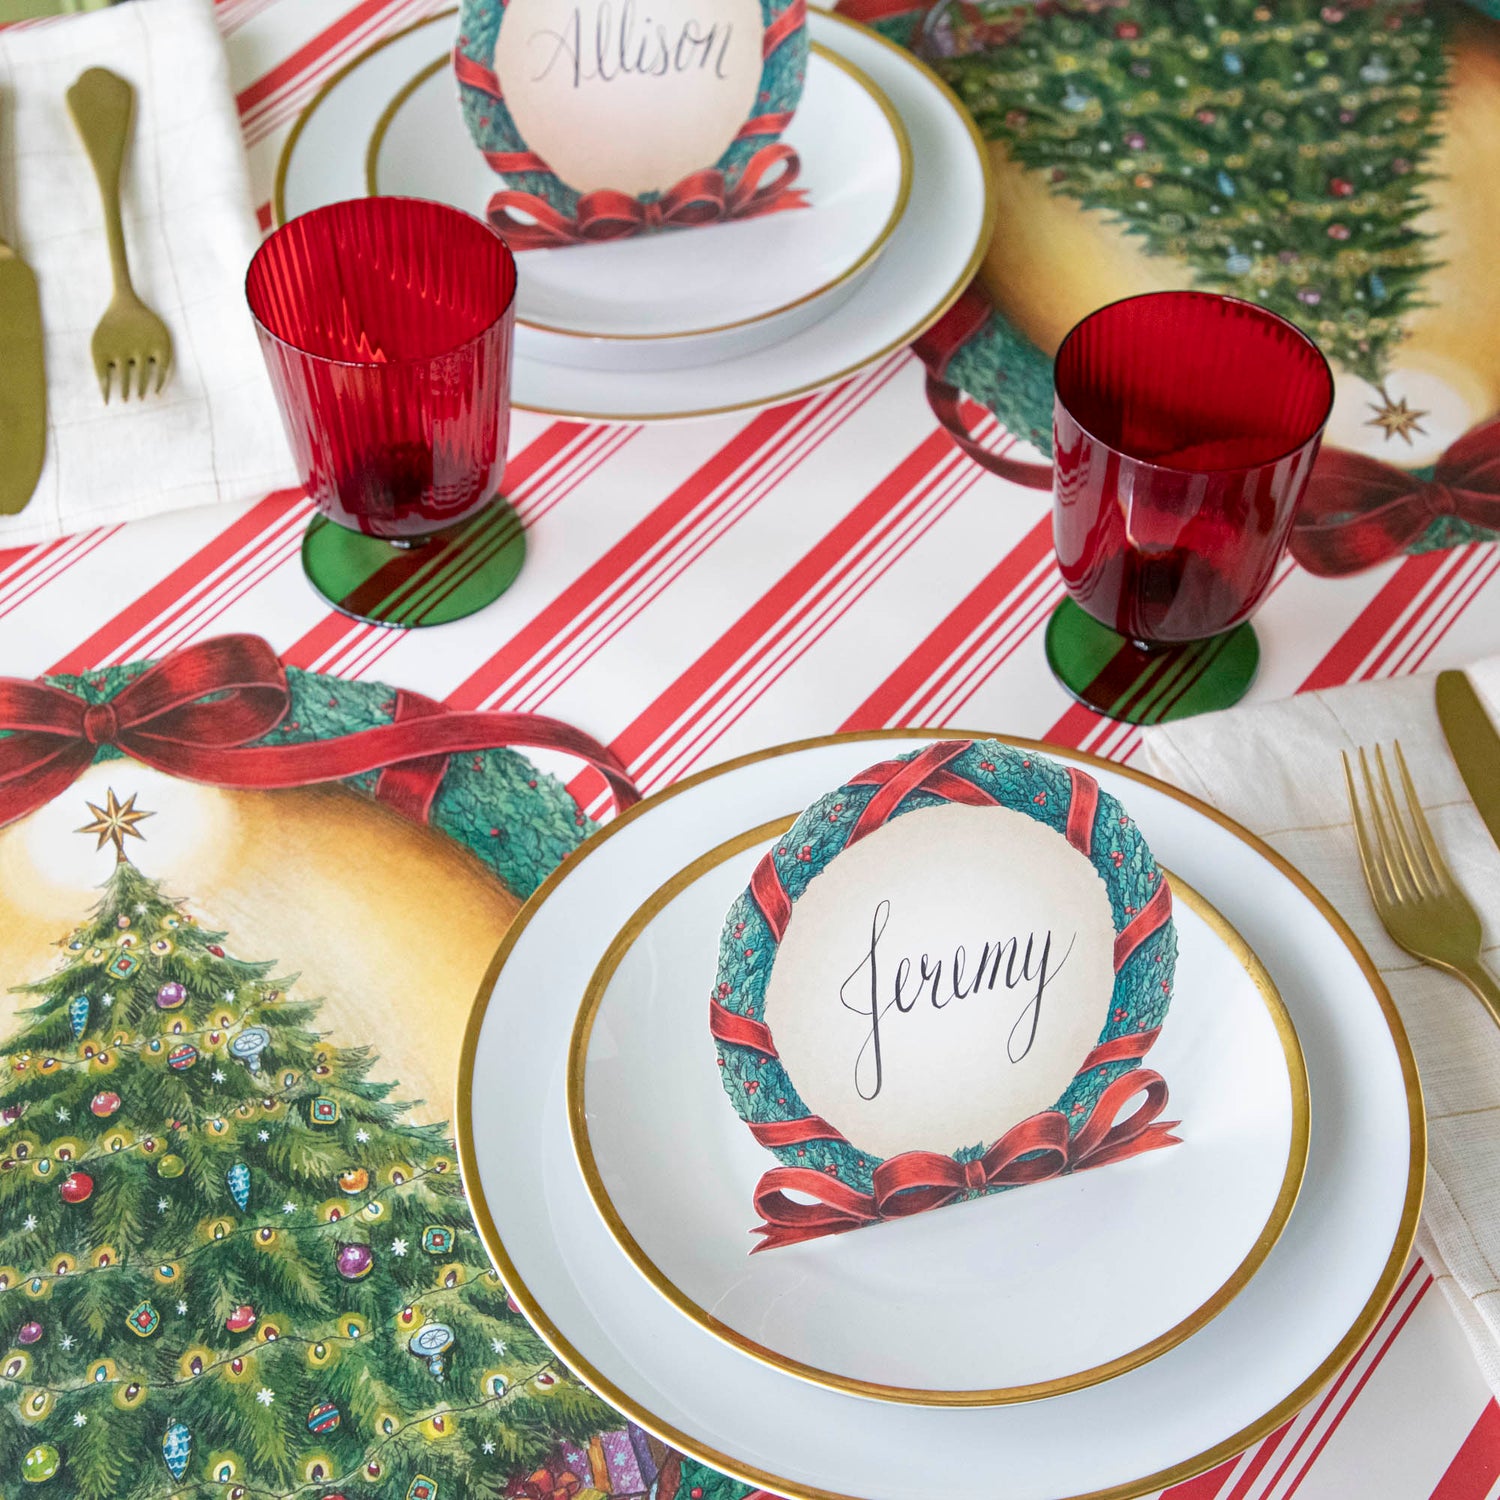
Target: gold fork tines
132,347
1416,897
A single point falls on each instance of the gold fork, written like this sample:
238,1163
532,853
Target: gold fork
131,340
1414,892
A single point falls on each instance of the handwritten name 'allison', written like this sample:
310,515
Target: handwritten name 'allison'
624,44
1007,965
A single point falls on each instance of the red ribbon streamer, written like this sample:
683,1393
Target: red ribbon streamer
1358,511
936,348
790,20
194,713
1039,1148
702,198
475,75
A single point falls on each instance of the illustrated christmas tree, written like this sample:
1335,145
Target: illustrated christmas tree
230,1264
1277,148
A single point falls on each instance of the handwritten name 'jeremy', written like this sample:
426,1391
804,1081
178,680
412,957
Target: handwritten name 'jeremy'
1007,964
625,44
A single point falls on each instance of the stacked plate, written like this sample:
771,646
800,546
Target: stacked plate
692,323
1102,1334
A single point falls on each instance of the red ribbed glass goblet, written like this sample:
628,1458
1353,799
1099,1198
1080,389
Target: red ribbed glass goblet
386,325
1185,428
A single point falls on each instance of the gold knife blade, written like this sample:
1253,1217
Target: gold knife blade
1475,744
23,383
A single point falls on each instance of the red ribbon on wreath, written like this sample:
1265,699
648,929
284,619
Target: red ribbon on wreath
1041,1146
1037,1149
700,198
195,713
1358,511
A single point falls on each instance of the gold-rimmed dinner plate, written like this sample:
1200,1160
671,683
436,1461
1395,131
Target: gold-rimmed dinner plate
1317,1295
669,300
1019,1296
931,254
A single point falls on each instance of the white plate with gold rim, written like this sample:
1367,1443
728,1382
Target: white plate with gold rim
1317,1295
680,298
930,256
1008,1298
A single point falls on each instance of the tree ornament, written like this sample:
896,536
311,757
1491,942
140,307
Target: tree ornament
176,1449
437,1239
143,1320
353,1180
171,1165
182,1057
238,1178
42,1462
242,1319
248,1046
1340,187
75,1187
431,1342
104,1104
216,950
1075,100
170,995
122,921
320,1111
354,1261
323,1418
11,1113
29,1333
78,1014
422,1488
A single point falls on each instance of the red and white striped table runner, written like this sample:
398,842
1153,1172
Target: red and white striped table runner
696,591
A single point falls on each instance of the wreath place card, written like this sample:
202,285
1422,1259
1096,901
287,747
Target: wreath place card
941,983
611,118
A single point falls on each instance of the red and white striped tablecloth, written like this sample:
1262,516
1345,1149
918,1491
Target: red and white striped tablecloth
697,591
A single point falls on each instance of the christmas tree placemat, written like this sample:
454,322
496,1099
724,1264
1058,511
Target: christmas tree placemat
1337,163
248,910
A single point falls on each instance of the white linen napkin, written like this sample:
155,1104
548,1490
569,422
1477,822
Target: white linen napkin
1276,769
214,433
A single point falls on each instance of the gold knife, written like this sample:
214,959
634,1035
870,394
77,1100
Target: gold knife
1475,745
23,383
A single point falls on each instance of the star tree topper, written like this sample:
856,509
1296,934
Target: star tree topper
115,822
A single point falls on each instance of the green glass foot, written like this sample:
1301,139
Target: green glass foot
449,575
1122,680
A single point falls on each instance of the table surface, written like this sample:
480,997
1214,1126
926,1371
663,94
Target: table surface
696,591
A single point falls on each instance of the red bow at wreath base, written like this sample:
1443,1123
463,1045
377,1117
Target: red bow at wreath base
1039,1148
194,714
701,198
1358,511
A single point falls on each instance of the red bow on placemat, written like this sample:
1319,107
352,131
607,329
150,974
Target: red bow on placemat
1358,511
1038,1148
195,713
701,198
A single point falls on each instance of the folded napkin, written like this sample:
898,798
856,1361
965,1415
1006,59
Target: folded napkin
1276,769
214,433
